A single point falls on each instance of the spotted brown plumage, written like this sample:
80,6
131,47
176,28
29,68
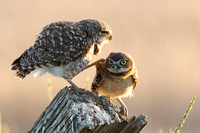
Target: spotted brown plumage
63,49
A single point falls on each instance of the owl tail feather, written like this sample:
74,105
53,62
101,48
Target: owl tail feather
22,71
15,64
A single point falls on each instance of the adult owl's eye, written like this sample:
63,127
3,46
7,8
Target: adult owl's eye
123,62
110,62
104,32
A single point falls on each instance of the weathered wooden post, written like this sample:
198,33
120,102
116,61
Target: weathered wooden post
82,111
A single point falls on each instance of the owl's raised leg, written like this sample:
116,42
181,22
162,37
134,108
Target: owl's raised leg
95,63
123,108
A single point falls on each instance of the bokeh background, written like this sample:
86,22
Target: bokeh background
163,36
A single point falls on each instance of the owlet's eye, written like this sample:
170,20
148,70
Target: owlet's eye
110,62
123,62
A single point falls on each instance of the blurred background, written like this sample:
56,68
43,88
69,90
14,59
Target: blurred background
163,36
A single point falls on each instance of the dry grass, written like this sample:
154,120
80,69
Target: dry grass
87,83
177,130
49,89
160,130
185,116
1,130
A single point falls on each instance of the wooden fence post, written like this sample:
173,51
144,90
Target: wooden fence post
82,111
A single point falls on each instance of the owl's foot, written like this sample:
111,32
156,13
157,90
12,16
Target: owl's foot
108,98
124,111
123,108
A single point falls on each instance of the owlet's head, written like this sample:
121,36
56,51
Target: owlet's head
119,63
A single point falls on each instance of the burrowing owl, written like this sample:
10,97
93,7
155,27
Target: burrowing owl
63,49
116,77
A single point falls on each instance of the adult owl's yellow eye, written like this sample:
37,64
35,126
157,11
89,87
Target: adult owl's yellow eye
123,62
110,62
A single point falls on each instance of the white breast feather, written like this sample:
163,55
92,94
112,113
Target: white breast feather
39,72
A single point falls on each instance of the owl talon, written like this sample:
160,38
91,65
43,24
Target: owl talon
123,110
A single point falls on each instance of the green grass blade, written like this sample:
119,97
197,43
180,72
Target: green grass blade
185,116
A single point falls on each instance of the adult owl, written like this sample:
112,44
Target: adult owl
63,49
116,77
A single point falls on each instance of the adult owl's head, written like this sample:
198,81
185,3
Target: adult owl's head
99,31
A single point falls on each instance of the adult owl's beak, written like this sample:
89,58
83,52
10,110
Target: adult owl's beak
110,37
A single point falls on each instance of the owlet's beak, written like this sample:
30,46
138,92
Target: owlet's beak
115,67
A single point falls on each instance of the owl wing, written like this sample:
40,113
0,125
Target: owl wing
59,43
101,73
134,77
